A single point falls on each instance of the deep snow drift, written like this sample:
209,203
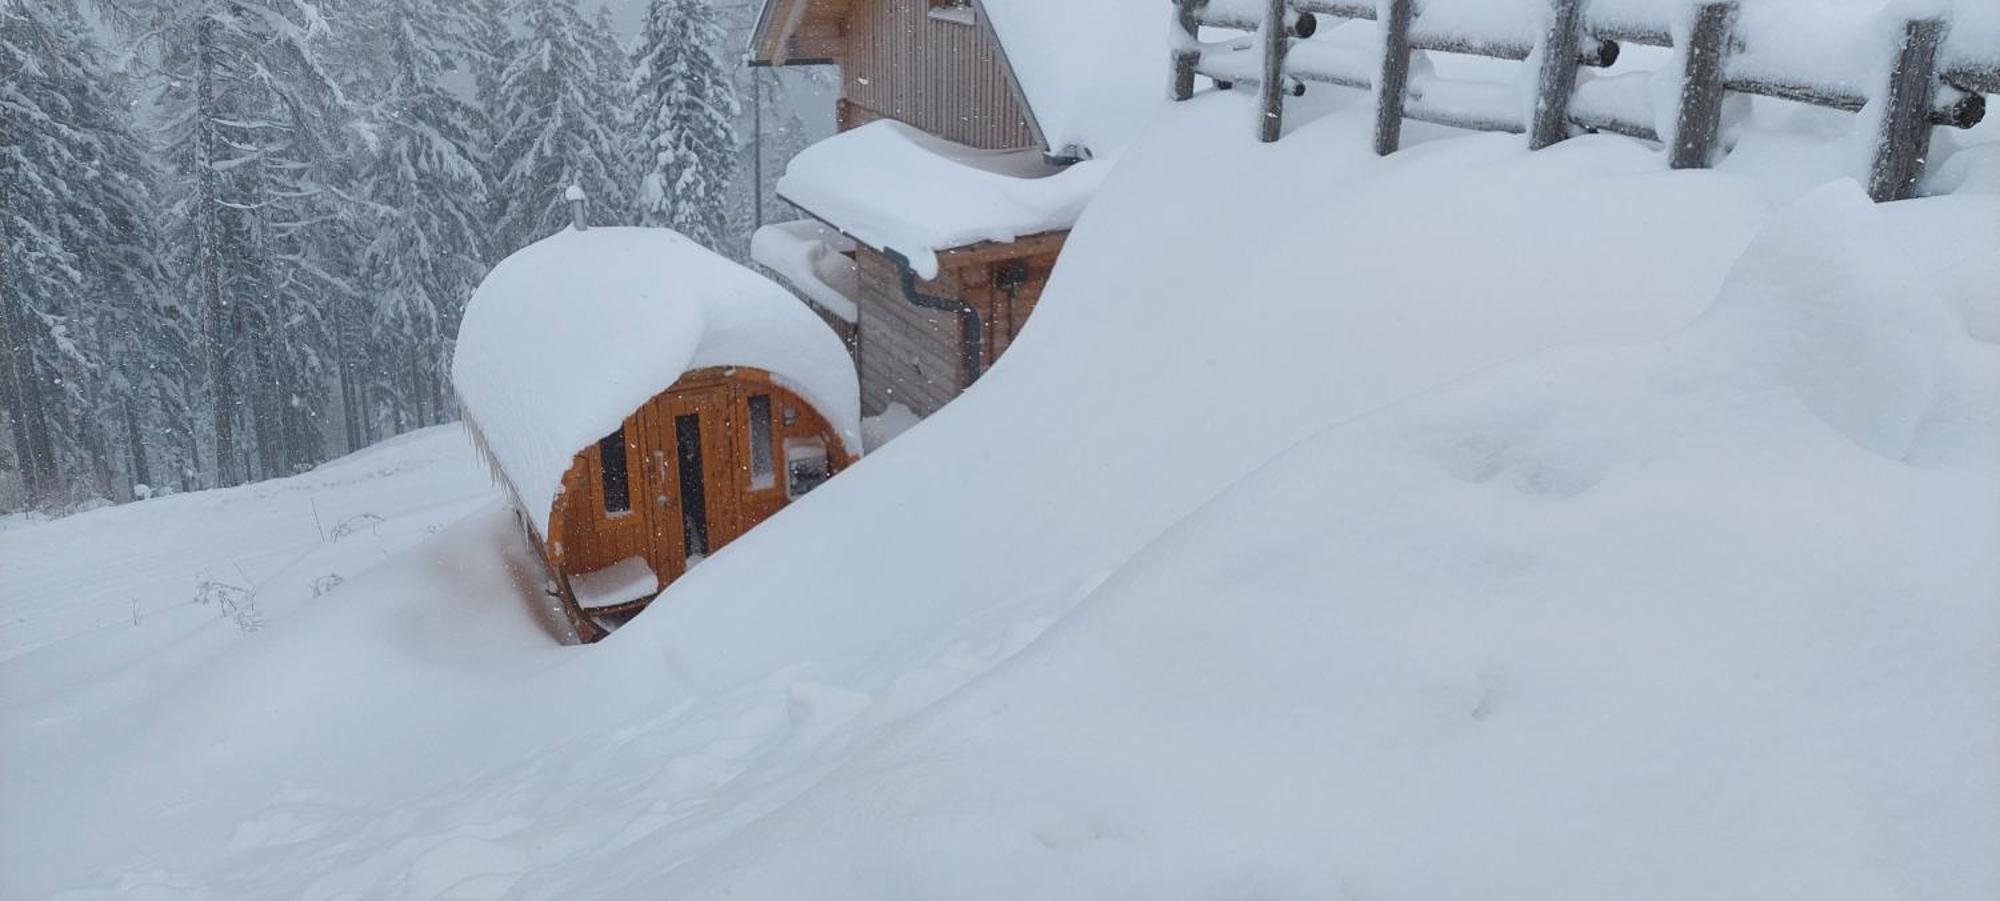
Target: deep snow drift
1702,607
1712,617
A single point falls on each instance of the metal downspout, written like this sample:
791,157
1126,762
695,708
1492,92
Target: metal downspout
971,329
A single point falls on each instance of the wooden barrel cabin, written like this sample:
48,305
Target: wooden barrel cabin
645,401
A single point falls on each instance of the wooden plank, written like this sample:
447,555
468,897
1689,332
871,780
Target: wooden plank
1592,50
1978,78
1631,33
1187,17
943,77
1953,108
1904,139
1698,121
990,251
1597,120
1556,81
1423,112
1344,9
908,354
1277,40
1394,76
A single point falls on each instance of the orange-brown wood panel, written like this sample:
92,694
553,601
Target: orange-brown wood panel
1004,282
739,487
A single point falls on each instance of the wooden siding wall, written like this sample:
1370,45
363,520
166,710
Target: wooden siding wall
909,354
944,77
979,273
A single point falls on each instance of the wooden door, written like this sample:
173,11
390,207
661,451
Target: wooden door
653,432
689,460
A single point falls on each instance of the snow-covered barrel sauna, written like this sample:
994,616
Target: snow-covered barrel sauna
644,401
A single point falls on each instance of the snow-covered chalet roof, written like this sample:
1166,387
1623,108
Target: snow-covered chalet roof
571,334
894,188
1090,72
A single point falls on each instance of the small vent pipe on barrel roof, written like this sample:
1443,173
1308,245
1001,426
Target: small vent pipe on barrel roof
577,200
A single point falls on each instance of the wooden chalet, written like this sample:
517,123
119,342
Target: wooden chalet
645,402
943,203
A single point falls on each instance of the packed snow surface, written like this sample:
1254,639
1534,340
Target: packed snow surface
1468,522
569,335
895,188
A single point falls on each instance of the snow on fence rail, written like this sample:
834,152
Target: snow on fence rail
1276,57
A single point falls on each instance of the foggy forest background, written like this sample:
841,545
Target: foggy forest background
236,236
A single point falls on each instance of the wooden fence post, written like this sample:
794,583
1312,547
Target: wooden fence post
1394,78
1905,137
1277,35
1698,122
1557,81
1187,15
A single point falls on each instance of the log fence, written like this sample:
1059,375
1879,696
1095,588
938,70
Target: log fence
1273,52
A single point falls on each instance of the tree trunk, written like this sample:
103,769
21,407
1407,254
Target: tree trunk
267,406
26,413
218,320
141,473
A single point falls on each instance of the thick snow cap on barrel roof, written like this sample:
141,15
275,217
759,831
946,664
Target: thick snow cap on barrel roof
895,188
571,334
1091,72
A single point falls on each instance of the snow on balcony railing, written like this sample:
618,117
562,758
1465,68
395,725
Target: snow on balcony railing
1915,79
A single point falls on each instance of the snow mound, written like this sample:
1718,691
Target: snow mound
898,189
814,260
1610,621
569,335
1839,319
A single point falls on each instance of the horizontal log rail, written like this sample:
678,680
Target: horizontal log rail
1598,54
1923,91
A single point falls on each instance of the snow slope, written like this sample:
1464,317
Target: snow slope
1073,637
1709,617
70,577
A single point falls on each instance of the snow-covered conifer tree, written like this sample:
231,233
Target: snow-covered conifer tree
84,345
685,114
427,202
557,109
254,135
687,121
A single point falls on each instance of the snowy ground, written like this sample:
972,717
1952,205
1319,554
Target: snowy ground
141,565
1464,524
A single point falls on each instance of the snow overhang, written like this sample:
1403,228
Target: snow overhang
896,189
568,336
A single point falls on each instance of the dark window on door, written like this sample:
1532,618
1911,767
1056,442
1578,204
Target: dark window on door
763,467
694,500
617,479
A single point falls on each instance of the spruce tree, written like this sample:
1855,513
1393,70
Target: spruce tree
557,111
84,343
427,196
685,114
254,140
